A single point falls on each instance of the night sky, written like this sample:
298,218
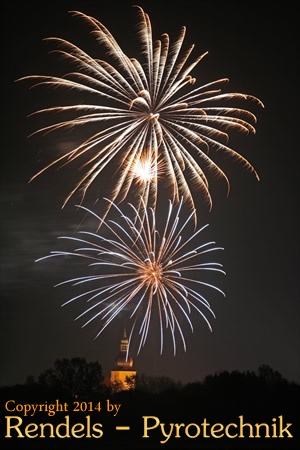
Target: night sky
258,321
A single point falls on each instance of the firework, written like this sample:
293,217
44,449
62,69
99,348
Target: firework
154,273
147,113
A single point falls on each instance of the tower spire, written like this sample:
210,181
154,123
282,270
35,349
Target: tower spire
123,375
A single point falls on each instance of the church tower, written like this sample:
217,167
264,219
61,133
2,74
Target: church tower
123,376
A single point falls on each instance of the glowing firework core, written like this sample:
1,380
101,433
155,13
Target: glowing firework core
143,170
152,273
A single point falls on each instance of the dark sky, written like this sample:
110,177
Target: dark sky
258,321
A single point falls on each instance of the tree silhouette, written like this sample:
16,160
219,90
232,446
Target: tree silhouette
269,375
156,384
74,376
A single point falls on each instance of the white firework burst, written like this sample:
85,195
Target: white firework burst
145,109
156,273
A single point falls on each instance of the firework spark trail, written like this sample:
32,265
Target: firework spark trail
137,267
152,114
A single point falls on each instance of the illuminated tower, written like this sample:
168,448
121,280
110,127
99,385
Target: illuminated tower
122,377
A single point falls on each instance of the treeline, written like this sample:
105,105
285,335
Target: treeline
261,396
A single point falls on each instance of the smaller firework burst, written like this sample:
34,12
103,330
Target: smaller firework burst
157,274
